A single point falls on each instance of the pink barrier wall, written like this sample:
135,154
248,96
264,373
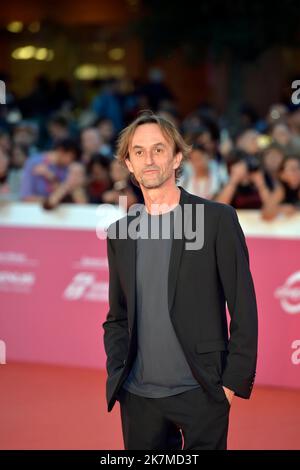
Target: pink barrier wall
53,297
276,273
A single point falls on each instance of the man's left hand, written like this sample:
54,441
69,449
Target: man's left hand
229,394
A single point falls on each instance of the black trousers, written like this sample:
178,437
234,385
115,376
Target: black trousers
189,420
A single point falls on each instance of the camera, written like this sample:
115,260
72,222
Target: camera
253,162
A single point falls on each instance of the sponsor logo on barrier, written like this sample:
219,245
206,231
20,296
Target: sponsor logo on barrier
88,262
289,294
84,286
11,281
17,259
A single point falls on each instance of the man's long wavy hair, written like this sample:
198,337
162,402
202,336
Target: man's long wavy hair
168,129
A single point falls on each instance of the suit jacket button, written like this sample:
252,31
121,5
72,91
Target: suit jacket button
124,362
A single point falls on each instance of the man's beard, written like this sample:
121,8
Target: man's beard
155,182
152,184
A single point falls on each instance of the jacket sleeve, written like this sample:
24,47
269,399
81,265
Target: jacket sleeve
115,327
234,270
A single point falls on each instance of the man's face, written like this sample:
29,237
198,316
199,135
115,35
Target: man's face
151,157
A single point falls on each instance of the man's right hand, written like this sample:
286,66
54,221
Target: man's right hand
43,170
238,172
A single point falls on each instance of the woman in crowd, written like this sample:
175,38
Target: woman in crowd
286,197
202,175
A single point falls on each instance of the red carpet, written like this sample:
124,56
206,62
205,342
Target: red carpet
48,407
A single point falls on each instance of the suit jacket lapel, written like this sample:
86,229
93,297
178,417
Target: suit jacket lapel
177,248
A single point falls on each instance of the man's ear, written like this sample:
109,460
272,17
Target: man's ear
128,164
177,160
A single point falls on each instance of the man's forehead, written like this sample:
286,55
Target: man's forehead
148,134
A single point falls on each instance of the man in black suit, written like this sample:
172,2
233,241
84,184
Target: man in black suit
170,361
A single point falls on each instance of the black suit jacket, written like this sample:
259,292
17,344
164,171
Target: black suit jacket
200,282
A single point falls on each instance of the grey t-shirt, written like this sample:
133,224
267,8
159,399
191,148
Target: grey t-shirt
160,368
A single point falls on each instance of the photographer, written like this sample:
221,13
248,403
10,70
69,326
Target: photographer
246,188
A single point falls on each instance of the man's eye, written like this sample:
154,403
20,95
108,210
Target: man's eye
158,150
139,152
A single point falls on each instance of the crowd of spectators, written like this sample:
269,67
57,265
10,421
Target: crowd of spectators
52,151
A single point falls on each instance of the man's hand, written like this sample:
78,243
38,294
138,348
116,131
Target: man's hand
238,172
42,170
229,394
258,179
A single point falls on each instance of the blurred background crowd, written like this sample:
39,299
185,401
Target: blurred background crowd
75,78
52,156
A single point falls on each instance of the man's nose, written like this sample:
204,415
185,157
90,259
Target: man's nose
149,157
